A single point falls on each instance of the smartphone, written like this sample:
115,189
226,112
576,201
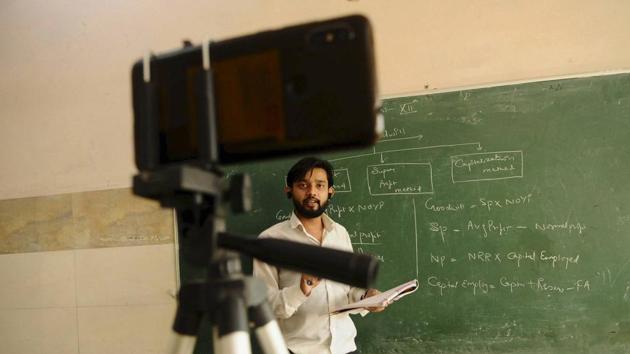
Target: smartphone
305,88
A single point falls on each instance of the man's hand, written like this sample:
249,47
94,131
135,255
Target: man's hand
372,292
307,283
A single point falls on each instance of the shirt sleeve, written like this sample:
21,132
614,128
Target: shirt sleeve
284,302
355,294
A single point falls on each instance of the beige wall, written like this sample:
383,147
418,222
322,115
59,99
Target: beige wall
65,112
89,301
86,272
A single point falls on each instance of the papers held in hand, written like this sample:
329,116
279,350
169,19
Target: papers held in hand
382,299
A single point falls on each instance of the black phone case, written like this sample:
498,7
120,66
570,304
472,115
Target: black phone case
328,88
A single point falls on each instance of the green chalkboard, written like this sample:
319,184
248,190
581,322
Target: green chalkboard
510,205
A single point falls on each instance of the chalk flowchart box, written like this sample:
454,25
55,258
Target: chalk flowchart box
400,178
487,166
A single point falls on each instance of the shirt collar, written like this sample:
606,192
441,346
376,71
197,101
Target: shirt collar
329,224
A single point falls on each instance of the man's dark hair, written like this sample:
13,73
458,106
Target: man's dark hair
301,168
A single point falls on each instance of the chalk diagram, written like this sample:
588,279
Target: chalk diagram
416,178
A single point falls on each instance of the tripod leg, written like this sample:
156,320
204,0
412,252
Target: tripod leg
267,330
182,344
233,331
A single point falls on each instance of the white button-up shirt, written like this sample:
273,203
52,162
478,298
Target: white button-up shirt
306,322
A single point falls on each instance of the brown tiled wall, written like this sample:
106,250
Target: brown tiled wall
108,218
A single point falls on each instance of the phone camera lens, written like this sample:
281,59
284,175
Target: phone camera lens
330,37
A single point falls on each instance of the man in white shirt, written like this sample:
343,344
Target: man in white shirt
302,303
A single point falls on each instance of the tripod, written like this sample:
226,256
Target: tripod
225,295
200,195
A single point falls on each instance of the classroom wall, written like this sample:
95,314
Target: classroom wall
86,272
66,124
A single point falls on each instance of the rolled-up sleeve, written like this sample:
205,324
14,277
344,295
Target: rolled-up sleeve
355,294
284,302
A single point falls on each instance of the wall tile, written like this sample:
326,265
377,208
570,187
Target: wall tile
36,224
126,275
47,330
116,217
126,329
108,218
37,280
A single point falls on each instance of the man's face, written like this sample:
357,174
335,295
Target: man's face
310,194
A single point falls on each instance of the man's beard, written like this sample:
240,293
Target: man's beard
309,213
